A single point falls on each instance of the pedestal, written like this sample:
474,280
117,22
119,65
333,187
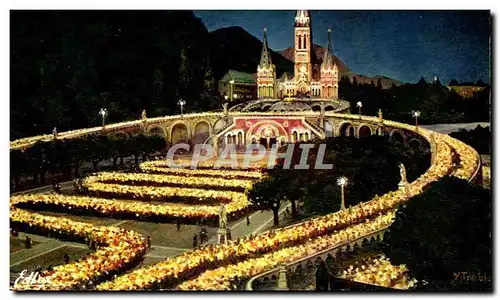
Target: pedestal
222,236
282,281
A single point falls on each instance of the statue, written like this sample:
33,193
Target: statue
224,107
380,114
402,172
223,217
54,132
143,115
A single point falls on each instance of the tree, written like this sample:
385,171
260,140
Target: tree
97,150
421,81
442,232
264,196
480,82
453,82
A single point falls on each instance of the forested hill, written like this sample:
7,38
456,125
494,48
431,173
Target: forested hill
66,65
235,48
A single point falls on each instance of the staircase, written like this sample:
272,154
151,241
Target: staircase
320,132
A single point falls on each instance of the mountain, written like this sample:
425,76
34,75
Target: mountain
317,58
233,48
236,49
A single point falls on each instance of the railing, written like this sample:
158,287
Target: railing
250,282
320,132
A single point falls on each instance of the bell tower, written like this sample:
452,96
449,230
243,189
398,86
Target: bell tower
303,67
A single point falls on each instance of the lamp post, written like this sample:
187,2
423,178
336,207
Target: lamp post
416,114
182,102
359,105
342,181
231,89
235,96
103,112
225,97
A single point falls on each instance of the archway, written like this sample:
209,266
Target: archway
201,132
346,129
397,136
364,131
329,108
157,131
316,108
120,136
179,134
415,143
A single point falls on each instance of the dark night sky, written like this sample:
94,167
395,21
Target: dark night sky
403,45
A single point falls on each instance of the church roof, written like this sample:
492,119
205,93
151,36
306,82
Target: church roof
239,77
290,106
285,76
265,57
328,58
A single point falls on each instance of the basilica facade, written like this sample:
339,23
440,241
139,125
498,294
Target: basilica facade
304,82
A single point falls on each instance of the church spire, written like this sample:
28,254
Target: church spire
328,58
302,18
265,57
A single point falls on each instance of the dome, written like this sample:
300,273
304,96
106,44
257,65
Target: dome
290,106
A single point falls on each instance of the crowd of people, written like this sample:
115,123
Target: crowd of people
117,249
379,271
161,167
226,277
164,180
230,262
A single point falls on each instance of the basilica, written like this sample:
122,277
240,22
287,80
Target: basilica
306,81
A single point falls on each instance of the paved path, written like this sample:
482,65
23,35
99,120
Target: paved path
259,221
449,128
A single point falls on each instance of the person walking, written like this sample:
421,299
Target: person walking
178,225
195,241
66,258
248,221
27,242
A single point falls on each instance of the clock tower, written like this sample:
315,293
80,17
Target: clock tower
303,67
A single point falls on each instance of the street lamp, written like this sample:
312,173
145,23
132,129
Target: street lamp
359,105
103,112
225,97
342,181
235,96
182,102
232,89
416,114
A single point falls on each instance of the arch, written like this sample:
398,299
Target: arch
364,131
120,135
329,108
415,143
201,132
397,136
266,107
265,126
346,129
316,107
179,133
157,131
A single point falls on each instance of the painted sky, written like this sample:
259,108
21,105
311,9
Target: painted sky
403,45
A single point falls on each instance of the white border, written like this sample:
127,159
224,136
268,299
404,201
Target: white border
198,5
